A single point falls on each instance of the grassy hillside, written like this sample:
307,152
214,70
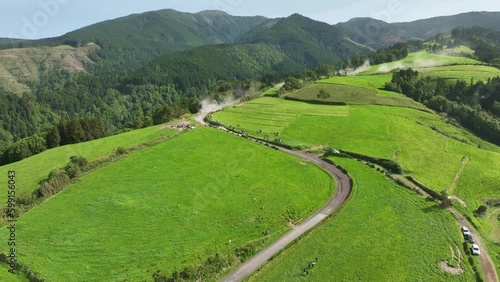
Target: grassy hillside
390,132
352,95
21,67
32,170
448,66
421,60
427,147
171,206
385,233
460,73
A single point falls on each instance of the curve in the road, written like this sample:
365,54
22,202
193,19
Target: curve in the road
344,188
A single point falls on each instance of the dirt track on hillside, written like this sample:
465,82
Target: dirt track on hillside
342,193
487,265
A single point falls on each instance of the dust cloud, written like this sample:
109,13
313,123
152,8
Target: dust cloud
356,71
209,106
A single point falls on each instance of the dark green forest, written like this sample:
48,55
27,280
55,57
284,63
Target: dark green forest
475,106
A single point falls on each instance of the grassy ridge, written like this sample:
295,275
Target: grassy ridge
32,170
420,60
351,95
460,73
385,233
170,206
436,65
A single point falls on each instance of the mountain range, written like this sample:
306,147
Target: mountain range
166,58
161,32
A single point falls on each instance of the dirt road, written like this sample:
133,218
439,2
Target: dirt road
342,193
487,265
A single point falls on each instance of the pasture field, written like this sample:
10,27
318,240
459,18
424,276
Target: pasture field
173,205
9,277
365,81
351,95
462,73
373,82
421,60
459,51
384,233
401,134
423,143
32,170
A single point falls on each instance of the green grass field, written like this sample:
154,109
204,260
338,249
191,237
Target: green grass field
352,95
401,134
8,277
169,206
32,170
460,73
460,50
384,233
421,60
365,81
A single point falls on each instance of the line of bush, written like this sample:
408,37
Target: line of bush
428,190
24,270
213,266
316,102
390,165
60,179
442,197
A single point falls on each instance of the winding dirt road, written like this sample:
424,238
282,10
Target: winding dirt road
342,193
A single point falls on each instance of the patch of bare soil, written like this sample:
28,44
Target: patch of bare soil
181,125
8,56
446,268
453,270
316,148
458,200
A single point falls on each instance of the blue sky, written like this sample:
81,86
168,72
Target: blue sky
48,18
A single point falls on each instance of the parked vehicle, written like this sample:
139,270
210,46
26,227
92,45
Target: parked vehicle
465,231
475,250
470,238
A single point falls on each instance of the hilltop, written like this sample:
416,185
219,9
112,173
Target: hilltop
377,34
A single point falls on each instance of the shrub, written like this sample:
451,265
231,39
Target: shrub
72,170
390,165
121,151
481,211
57,181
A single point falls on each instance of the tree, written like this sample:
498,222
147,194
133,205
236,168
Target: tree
323,95
291,84
53,138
